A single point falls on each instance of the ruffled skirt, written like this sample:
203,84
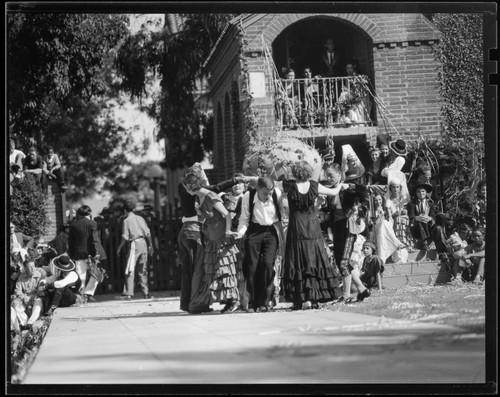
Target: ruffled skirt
220,269
309,274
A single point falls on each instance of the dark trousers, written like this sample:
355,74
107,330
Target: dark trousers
59,173
258,267
340,233
188,250
60,297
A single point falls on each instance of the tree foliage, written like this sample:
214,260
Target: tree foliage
458,158
27,207
460,52
60,82
178,58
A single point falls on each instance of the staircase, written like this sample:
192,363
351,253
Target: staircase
55,207
422,267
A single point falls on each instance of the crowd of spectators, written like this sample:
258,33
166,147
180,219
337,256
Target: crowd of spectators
33,165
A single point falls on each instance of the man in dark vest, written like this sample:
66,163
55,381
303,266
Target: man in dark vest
61,288
260,223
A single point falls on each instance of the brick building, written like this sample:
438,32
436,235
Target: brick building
394,51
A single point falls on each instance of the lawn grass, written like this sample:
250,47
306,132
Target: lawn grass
456,305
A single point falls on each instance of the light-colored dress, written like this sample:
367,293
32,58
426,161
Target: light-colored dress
383,233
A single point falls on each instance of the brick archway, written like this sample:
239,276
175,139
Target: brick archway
360,22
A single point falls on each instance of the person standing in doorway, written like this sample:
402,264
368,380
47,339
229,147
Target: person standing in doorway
137,237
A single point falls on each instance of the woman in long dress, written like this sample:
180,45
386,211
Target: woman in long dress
383,233
399,197
220,248
309,276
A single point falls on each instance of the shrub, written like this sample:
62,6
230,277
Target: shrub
27,207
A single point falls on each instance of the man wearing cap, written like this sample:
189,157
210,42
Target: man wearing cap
422,213
137,236
83,241
60,289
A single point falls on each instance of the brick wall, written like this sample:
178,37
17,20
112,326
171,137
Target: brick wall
55,208
403,66
406,82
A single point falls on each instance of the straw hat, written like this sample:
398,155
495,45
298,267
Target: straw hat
63,262
399,147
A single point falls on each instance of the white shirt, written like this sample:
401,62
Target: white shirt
264,213
70,277
13,156
396,165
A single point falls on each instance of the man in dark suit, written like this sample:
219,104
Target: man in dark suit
422,214
330,60
83,240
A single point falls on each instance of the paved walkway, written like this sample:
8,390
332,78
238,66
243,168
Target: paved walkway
153,342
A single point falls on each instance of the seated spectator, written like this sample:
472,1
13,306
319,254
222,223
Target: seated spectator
15,156
352,168
439,234
373,176
382,229
383,141
26,302
33,165
475,257
17,257
60,242
422,212
20,240
60,288
54,168
479,211
398,197
397,159
425,176
371,271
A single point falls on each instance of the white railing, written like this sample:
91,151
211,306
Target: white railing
323,102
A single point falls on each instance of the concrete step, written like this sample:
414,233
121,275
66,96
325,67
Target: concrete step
436,277
421,255
411,268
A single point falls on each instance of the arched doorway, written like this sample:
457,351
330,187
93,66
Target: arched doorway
301,45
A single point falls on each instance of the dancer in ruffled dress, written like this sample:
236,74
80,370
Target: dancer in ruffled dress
220,248
309,276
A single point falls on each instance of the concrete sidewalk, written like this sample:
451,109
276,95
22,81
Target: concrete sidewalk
153,342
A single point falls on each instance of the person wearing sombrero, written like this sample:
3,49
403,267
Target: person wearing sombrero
397,159
60,289
422,215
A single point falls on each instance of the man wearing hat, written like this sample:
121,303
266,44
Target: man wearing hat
422,215
61,288
137,236
83,241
